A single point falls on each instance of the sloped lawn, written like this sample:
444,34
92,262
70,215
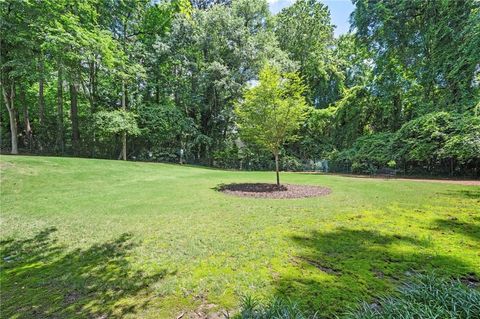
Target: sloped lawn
105,239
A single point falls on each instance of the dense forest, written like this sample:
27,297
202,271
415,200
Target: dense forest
158,81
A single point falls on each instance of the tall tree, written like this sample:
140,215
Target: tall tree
125,24
205,4
423,53
304,30
60,127
16,58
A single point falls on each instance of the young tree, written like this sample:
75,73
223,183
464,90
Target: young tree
272,111
117,122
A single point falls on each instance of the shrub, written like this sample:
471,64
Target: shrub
228,157
291,163
427,297
464,144
422,139
392,164
277,308
370,152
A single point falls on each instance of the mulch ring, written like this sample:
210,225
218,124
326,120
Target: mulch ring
264,190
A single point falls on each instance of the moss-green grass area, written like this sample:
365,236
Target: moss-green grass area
105,239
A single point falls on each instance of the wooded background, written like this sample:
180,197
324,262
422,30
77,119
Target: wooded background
142,80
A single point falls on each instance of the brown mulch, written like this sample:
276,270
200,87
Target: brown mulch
264,190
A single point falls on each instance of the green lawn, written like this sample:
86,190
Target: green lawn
104,239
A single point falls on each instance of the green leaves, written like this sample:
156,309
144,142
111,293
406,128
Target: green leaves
423,49
272,111
428,140
304,30
115,122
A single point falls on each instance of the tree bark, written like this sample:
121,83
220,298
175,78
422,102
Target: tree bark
26,120
8,96
92,93
74,117
60,130
277,168
92,85
124,134
41,95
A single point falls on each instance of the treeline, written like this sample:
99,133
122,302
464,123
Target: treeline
158,80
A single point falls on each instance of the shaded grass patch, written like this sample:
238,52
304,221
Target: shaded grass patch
40,278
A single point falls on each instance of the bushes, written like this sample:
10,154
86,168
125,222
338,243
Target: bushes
422,139
291,163
232,157
441,142
438,142
277,308
426,297
370,153
464,143
228,157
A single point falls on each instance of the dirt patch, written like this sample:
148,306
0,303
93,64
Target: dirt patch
471,280
204,311
72,297
264,190
5,165
443,181
410,179
320,266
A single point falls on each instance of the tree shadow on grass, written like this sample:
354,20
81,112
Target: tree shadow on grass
468,194
342,267
456,226
41,279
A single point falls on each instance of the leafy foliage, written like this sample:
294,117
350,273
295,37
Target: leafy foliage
371,152
116,122
183,65
273,110
277,308
427,296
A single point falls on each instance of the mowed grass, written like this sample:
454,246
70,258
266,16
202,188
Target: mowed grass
105,239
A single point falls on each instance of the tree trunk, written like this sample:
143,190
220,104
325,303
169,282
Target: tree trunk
41,95
277,168
12,114
60,133
124,146
13,130
26,120
92,90
74,117
124,134
92,85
